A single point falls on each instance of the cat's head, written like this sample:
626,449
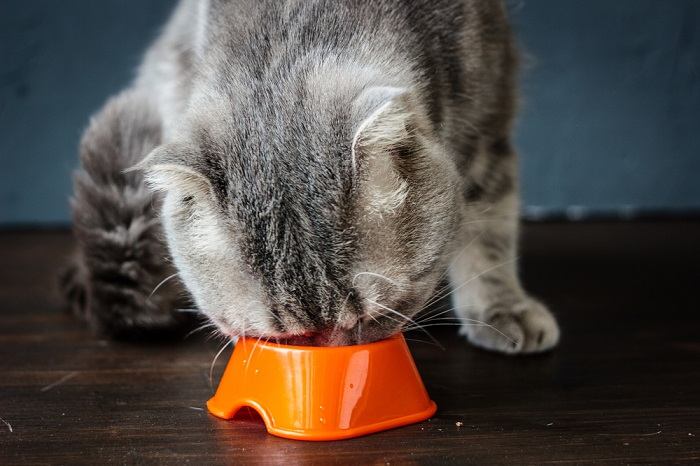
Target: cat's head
327,219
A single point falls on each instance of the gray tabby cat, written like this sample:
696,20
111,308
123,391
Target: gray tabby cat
315,168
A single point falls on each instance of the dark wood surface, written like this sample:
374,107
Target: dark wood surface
623,387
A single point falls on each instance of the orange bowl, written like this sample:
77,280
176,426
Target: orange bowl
324,393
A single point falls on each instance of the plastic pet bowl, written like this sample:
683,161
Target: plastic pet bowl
324,393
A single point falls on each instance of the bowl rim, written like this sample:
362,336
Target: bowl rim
312,349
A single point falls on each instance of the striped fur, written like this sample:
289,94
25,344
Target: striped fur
320,165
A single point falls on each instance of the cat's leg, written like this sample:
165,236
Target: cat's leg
121,255
499,315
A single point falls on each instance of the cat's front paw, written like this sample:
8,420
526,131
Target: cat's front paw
526,327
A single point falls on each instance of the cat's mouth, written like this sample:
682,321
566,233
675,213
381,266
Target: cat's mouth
338,337
321,338
361,333
317,338
305,339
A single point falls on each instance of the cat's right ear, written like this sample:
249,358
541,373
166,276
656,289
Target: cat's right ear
172,166
383,116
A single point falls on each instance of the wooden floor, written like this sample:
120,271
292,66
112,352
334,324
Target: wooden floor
623,387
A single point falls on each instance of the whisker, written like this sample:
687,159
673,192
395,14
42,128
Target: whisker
489,269
161,284
401,322
216,333
452,319
369,314
429,316
422,317
449,324
207,325
407,318
503,218
476,324
276,317
437,293
211,368
250,356
421,341
455,258
458,320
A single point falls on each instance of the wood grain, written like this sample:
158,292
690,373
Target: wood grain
623,387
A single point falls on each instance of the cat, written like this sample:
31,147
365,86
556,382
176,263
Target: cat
310,171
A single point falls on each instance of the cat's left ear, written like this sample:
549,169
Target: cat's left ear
174,165
383,115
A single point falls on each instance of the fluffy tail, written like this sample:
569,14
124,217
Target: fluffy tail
121,255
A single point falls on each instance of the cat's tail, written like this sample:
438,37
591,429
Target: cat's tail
120,279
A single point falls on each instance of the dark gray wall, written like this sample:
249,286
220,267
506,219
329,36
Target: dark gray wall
611,99
611,105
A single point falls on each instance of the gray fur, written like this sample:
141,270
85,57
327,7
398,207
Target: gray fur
321,164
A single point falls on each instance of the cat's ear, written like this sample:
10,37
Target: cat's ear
383,115
173,165
386,131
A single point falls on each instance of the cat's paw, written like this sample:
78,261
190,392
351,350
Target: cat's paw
526,327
